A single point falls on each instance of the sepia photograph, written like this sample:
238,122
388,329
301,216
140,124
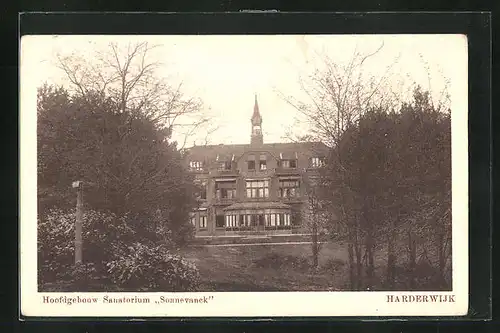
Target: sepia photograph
178,175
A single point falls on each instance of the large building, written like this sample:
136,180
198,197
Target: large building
255,187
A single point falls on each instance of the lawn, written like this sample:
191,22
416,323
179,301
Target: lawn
269,267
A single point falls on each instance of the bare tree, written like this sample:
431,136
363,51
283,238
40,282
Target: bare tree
316,216
336,96
338,93
129,76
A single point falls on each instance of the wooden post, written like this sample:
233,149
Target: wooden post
78,222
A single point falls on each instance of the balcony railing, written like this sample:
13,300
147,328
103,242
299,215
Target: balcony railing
198,170
224,172
224,200
260,173
296,198
287,171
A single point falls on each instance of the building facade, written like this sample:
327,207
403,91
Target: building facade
253,188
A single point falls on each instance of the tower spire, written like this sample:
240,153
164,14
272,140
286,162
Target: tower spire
256,120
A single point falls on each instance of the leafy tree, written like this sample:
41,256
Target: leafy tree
127,165
390,175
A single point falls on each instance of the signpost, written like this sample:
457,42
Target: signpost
79,220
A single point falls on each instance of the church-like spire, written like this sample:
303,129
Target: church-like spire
256,118
256,137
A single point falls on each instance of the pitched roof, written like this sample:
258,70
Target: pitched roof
210,152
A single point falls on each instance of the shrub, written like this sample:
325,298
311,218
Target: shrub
103,235
153,268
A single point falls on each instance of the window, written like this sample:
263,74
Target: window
193,220
203,222
257,188
225,190
287,219
289,188
317,162
275,220
219,221
224,166
196,165
251,162
231,221
262,162
289,164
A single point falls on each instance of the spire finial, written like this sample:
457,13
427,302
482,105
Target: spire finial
256,124
256,113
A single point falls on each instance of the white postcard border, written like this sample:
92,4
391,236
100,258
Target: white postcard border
241,304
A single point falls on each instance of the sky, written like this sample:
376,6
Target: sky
226,72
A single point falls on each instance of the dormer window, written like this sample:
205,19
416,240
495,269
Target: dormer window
317,162
262,162
225,166
288,160
251,162
196,165
289,164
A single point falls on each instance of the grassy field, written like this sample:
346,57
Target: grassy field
269,267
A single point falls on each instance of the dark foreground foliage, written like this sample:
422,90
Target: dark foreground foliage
137,195
388,183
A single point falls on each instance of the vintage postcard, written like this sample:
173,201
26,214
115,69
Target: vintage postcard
243,175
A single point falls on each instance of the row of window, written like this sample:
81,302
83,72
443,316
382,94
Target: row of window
257,188
203,221
261,164
254,189
253,220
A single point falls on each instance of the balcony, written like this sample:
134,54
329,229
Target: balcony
224,172
287,171
198,170
288,200
224,201
260,173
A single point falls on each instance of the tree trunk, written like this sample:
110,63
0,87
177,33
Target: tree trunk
315,245
441,249
350,250
412,259
370,269
391,261
369,248
359,264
